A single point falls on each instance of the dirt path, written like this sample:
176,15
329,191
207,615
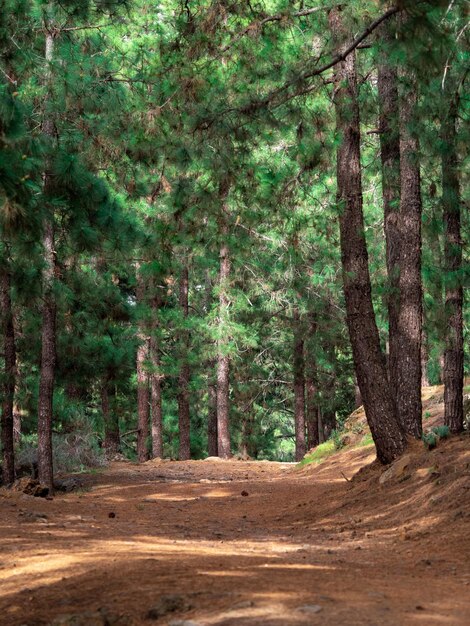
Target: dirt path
222,543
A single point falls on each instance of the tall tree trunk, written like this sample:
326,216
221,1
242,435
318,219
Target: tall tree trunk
390,157
156,388
424,356
184,374
212,444
410,312
143,395
112,439
48,361
48,333
299,388
212,438
369,361
9,347
311,388
223,359
454,352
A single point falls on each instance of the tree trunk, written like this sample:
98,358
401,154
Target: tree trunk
409,281
212,447
311,390
48,361
223,359
112,440
184,374
454,350
390,157
9,347
424,357
48,333
212,443
156,388
299,388
369,361
143,395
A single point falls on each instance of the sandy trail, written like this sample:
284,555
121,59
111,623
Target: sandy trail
302,547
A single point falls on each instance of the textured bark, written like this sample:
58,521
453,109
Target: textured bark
454,349
299,388
9,347
311,389
369,361
408,360
156,388
390,157
184,374
112,439
48,333
143,394
48,362
424,357
321,431
212,444
223,360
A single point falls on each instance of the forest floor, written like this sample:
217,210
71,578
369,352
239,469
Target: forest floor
245,543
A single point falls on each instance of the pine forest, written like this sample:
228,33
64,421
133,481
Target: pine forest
234,321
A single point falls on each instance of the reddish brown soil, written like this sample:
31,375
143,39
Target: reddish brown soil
355,551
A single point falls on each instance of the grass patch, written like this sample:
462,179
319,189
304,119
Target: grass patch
321,452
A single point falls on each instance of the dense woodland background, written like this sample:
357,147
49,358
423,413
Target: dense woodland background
180,192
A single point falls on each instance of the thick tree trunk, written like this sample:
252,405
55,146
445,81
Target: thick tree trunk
156,388
9,347
143,395
299,388
184,374
408,362
369,361
454,352
112,440
223,359
390,156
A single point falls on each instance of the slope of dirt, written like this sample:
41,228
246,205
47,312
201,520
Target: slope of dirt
432,398
246,543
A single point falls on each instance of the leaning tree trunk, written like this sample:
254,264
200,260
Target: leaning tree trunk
143,395
223,359
369,361
112,439
299,388
390,157
184,373
49,310
409,281
454,350
8,439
